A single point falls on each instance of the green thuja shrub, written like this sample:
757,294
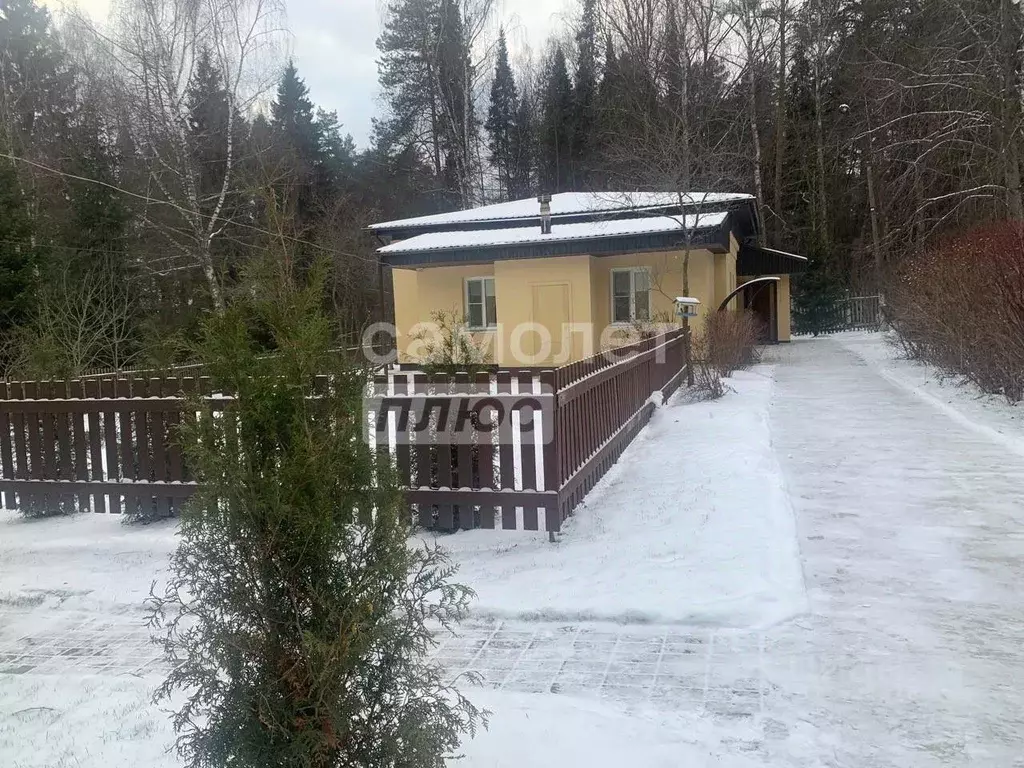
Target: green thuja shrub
297,616
448,346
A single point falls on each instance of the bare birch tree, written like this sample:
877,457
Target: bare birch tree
753,31
780,112
155,46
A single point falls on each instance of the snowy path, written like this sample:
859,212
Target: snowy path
908,651
911,530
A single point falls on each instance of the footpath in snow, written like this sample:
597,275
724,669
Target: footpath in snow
691,526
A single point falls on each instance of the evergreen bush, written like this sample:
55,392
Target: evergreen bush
297,617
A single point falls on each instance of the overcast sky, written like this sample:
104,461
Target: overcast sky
334,46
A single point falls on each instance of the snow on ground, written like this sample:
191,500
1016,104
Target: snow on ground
692,526
92,722
568,731
58,721
87,563
910,513
906,651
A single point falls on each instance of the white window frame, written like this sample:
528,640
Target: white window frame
632,294
490,323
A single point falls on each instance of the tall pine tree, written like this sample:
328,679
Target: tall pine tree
427,79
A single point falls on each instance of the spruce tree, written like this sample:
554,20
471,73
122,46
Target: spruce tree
296,608
606,90
19,257
458,126
608,97
38,85
210,123
208,120
99,219
38,104
584,97
502,118
336,154
521,152
297,137
292,115
555,155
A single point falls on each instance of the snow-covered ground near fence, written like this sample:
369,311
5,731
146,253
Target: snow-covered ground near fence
905,650
84,565
691,526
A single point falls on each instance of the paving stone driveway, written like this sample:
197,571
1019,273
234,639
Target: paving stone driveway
718,671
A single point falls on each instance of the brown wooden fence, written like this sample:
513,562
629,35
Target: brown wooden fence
105,445
545,456
108,445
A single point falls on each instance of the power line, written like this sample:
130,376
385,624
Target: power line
58,246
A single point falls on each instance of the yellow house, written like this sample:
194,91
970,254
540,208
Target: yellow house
551,281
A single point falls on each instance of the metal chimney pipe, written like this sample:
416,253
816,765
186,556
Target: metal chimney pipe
545,213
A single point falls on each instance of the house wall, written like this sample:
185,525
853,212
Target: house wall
725,274
420,292
666,268
571,290
702,286
548,292
666,271
784,309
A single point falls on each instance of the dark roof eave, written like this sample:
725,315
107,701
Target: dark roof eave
713,238
753,261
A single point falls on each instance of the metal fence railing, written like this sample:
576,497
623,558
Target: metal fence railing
848,314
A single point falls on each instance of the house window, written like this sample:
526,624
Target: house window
631,295
480,305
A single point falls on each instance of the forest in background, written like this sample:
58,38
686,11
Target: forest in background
144,161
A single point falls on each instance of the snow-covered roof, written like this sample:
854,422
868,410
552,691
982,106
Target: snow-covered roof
564,204
589,230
